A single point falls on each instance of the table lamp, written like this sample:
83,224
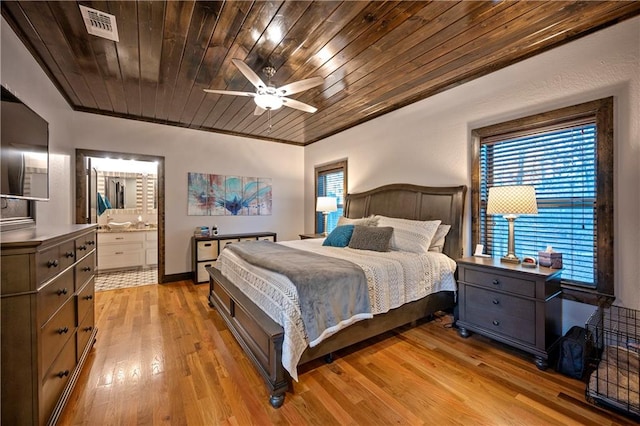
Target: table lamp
326,205
512,201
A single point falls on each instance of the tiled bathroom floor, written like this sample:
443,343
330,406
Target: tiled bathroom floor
123,279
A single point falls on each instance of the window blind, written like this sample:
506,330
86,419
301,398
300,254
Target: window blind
561,165
330,184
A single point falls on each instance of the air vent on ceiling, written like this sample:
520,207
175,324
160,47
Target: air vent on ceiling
99,23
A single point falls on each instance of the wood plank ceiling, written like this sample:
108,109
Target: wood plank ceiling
374,56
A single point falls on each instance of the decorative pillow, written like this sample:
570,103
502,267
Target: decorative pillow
339,237
410,235
437,242
374,238
366,221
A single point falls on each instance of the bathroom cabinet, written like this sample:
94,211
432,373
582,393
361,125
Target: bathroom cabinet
127,249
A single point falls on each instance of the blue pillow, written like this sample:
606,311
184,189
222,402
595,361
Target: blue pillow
339,237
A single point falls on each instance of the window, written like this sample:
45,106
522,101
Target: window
331,181
567,155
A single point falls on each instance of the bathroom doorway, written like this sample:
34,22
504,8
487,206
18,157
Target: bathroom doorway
90,181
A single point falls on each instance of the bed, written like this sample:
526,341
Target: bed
262,338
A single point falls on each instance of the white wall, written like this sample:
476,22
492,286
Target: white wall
187,151
184,151
429,142
22,75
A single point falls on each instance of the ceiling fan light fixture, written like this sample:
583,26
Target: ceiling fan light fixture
268,101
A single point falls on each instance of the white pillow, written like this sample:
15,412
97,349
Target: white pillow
437,242
365,221
410,235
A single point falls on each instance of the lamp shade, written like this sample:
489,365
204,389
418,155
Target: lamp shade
268,101
512,200
327,204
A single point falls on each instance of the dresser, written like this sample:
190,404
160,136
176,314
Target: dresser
205,250
510,303
47,296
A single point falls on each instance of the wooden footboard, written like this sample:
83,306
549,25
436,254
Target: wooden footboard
261,337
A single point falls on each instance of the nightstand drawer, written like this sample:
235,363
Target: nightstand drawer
502,323
500,303
500,282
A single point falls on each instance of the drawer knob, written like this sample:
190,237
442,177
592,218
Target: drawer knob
52,263
88,328
82,247
496,282
63,374
61,291
89,297
63,330
496,322
86,269
69,254
496,301
90,243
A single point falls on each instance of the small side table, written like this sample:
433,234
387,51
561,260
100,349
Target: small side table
308,236
510,303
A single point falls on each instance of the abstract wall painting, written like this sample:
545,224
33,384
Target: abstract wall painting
219,195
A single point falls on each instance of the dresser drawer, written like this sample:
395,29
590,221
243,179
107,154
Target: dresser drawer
85,328
85,269
206,250
56,379
66,254
56,332
53,295
267,238
53,260
500,282
85,244
502,323
85,299
479,298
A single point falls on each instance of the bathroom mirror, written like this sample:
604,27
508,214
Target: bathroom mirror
121,192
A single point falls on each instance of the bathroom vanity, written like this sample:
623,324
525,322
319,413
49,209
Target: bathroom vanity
124,249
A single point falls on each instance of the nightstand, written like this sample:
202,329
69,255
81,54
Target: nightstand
512,304
308,236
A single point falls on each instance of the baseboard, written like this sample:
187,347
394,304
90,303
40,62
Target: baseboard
184,276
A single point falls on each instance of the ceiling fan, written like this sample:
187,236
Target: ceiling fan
268,97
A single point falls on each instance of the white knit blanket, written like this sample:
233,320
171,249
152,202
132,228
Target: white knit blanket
394,278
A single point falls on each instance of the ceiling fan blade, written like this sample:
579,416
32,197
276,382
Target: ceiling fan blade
248,73
292,103
258,110
299,86
229,92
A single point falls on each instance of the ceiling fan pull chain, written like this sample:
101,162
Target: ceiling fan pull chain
269,118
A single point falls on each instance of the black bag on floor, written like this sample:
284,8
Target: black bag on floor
572,352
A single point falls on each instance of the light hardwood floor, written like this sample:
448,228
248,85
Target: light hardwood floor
163,356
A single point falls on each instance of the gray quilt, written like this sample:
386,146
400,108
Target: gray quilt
330,290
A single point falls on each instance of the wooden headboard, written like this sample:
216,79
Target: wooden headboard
417,203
